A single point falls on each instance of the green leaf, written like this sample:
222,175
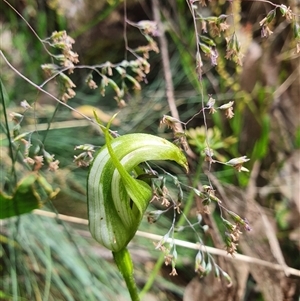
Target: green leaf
3,94
261,146
297,138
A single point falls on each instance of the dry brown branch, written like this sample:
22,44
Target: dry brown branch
167,69
214,251
261,241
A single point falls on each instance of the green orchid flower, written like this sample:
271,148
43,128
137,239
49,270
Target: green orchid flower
116,200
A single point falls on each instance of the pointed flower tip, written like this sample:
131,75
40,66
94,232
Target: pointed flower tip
238,160
186,167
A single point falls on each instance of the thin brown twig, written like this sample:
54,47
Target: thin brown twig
263,1
41,89
165,61
29,26
178,242
125,29
167,68
251,192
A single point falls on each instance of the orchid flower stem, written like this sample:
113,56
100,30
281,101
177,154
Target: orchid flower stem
124,263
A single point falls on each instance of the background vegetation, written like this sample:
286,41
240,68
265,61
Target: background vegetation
46,258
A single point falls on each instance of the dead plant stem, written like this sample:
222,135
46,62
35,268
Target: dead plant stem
167,68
